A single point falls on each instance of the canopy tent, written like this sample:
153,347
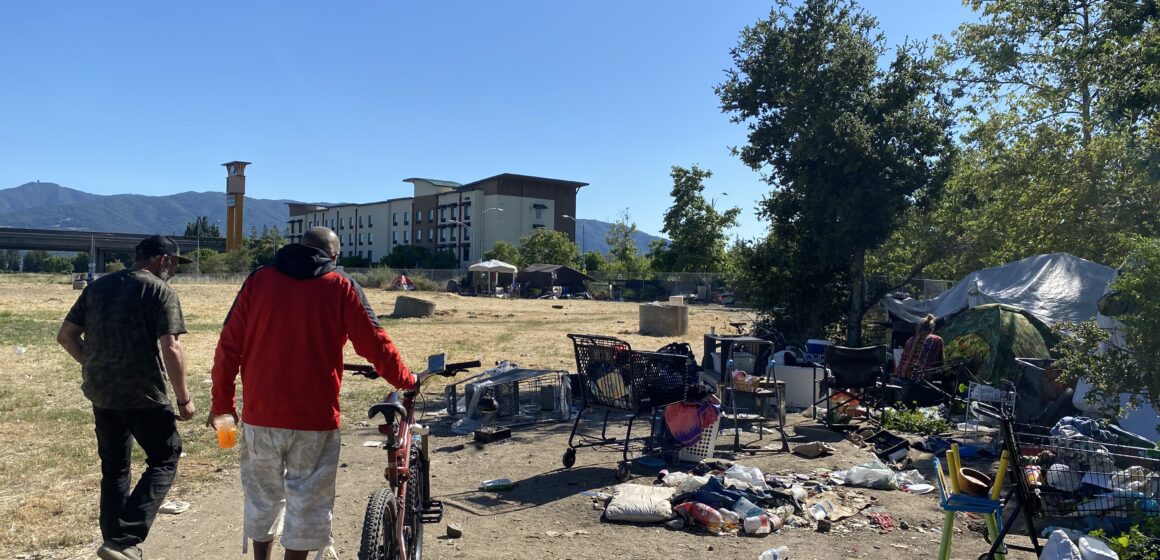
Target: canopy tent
988,338
1055,287
493,268
545,276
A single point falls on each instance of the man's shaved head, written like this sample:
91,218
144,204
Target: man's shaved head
321,238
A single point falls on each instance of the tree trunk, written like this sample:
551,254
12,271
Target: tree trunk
854,320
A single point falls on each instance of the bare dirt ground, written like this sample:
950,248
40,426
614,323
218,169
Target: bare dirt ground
48,470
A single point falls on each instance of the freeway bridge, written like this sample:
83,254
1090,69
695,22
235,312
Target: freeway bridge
82,241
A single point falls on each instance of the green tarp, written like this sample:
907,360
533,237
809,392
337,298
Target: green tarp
989,338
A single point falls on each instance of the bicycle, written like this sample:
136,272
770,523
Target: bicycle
393,524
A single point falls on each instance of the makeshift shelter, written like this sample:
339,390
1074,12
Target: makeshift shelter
492,269
988,338
401,282
547,276
1054,288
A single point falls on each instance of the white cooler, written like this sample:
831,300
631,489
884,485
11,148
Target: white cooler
799,381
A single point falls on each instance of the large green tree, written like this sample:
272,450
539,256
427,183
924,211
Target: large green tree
695,228
1060,99
847,145
504,251
549,247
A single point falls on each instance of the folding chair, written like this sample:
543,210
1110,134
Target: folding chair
857,373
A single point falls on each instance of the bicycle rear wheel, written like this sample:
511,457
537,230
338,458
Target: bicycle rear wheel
416,495
378,533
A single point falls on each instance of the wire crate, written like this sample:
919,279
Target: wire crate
979,430
1085,476
512,396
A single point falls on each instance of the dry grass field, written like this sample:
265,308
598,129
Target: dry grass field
49,471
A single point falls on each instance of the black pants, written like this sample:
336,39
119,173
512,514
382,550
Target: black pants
126,516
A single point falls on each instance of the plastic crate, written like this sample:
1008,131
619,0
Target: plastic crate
704,448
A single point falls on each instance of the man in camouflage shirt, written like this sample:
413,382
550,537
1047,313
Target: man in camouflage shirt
124,330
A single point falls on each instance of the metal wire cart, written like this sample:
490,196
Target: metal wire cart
1077,469
614,377
511,396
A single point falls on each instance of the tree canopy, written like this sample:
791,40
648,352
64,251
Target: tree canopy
695,228
847,147
550,247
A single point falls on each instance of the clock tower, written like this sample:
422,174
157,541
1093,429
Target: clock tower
235,200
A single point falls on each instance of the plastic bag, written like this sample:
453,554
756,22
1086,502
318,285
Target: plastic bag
691,484
749,475
1059,547
1091,548
872,475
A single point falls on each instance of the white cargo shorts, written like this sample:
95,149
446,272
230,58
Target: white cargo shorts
289,476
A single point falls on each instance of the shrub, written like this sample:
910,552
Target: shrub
914,422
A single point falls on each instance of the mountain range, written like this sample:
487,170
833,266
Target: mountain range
40,205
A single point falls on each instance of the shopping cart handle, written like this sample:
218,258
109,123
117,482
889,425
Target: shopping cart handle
988,411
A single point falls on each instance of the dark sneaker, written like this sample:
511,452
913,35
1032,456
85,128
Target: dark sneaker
113,551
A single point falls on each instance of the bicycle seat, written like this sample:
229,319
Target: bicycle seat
390,409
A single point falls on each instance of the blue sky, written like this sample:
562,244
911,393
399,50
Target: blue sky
341,101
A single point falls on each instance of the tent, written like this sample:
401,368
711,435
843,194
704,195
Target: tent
493,268
988,338
1055,287
545,276
401,282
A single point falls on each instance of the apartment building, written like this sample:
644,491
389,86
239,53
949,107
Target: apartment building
465,219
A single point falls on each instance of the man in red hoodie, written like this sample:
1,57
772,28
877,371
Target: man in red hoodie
285,333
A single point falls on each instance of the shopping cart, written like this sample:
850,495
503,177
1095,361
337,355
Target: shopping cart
1081,473
616,378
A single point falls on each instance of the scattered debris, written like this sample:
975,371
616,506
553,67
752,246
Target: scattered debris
174,507
454,531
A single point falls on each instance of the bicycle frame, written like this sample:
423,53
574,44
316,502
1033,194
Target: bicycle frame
398,470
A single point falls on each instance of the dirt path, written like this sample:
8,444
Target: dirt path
533,521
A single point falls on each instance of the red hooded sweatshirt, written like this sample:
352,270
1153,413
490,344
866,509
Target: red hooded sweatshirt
286,332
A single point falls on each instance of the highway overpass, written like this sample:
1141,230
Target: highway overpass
81,241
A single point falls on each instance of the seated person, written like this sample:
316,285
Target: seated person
921,356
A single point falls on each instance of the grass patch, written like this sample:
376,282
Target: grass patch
27,330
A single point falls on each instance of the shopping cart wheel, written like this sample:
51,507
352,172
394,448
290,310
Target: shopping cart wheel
569,458
622,471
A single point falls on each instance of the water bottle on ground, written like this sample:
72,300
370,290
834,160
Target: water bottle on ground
821,510
757,525
776,553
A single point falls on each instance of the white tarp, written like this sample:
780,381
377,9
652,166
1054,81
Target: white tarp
1055,287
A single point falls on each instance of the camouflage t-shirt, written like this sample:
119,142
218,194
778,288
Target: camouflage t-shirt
123,314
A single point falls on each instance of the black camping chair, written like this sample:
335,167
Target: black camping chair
859,373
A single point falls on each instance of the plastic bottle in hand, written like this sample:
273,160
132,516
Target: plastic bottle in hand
776,553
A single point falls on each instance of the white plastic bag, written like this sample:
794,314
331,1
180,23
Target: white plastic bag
692,484
872,475
1091,548
1059,547
749,475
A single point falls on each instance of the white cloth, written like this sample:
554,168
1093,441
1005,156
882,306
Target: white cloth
288,479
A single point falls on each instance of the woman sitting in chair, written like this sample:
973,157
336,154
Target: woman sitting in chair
922,354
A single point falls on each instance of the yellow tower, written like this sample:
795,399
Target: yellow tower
235,202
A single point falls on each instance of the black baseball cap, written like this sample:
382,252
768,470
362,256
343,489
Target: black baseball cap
160,245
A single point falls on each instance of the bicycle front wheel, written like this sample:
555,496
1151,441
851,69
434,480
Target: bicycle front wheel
378,533
416,496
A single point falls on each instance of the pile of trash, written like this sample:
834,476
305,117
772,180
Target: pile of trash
722,498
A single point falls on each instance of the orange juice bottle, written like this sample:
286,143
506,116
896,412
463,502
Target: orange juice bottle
227,431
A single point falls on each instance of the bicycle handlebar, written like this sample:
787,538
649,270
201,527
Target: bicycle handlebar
449,370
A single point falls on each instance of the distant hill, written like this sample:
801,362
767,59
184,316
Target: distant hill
51,206
591,234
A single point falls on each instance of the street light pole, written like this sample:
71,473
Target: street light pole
576,222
